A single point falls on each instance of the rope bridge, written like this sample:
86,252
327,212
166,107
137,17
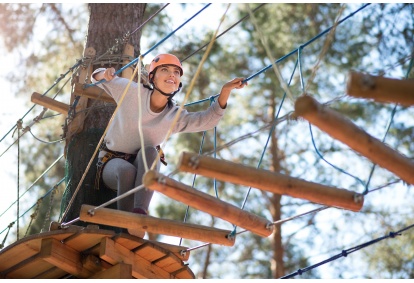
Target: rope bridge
306,107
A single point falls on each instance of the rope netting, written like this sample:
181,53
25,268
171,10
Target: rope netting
94,135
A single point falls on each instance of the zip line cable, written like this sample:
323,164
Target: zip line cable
306,44
47,193
346,252
152,48
34,183
224,32
77,64
300,271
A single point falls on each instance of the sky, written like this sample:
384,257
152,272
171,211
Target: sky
12,108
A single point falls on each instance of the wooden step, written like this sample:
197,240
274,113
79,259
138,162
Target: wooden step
381,89
50,103
273,182
344,130
207,203
90,253
93,92
128,220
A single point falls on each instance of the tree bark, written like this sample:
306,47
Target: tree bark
277,266
107,23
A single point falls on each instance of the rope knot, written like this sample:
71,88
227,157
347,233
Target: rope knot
393,234
212,98
19,124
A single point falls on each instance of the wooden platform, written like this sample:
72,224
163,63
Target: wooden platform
78,252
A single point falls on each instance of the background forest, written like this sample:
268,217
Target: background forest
41,42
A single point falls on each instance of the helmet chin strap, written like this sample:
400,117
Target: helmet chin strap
169,95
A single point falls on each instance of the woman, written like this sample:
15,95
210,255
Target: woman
120,158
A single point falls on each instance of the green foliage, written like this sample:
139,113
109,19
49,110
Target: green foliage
373,41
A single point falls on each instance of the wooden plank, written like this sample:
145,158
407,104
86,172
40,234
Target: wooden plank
76,126
52,273
50,103
179,251
28,268
128,51
93,92
132,242
27,247
128,241
95,264
168,263
183,273
122,219
342,129
269,181
150,252
381,89
63,257
205,202
141,268
87,238
118,271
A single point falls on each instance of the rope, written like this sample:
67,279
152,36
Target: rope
37,118
150,18
191,86
267,141
155,46
310,80
410,66
119,103
54,84
33,215
31,186
99,144
325,47
127,36
200,151
305,44
7,234
346,252
224,32
25,130
49,212
269,54
18,177
47,193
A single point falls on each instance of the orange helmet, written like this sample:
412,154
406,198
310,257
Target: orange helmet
165,59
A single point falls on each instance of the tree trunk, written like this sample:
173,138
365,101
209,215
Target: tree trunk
107,23
277,266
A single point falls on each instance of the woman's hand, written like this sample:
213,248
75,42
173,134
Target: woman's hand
108,75
236,83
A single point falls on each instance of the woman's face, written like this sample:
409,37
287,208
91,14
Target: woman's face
167,78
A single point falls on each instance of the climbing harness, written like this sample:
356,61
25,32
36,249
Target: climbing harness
110,154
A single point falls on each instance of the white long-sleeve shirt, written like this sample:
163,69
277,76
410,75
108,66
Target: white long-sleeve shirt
123,134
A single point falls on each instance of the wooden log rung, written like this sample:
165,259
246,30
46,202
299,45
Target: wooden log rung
50,103
381,89
93,92
207,203
344,130
122,219
273,182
